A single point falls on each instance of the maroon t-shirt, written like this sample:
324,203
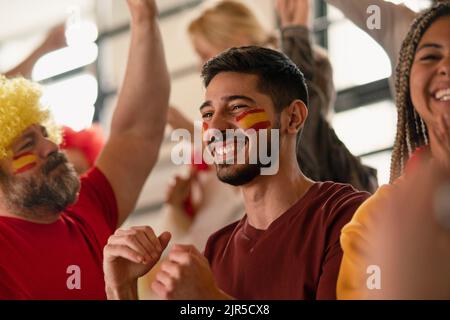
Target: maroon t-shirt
297,257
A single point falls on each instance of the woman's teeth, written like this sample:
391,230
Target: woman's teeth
443,95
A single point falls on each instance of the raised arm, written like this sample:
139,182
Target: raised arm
395,21
296,43
138,123
55,40
318,143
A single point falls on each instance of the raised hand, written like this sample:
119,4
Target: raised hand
178,120
294,12
130,254
55,39
179,190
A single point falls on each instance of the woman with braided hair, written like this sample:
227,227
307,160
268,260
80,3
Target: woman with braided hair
394,247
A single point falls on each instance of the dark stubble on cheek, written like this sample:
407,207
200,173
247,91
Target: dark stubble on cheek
238,175
45,193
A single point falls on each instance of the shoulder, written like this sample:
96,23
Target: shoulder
96,201
221,237
94,179
225,233
336,196
357,239
95,188
335,204
357,235
366,215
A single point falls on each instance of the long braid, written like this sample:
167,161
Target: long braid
411,129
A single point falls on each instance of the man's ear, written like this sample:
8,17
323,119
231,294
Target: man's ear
297,112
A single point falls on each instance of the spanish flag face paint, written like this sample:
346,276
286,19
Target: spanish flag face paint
24,162
205,128
256,119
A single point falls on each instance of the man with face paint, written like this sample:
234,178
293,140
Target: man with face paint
287,244
53,225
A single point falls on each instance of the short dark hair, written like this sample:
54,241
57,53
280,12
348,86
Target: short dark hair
278,76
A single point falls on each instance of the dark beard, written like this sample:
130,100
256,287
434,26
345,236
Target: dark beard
45,193
238,175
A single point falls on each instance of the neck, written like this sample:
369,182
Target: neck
267,197
440,155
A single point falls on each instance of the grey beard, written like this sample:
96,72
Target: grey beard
42,195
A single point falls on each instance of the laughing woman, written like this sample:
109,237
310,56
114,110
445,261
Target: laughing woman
374,264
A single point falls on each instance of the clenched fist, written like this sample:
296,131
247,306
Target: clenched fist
130,254
186,275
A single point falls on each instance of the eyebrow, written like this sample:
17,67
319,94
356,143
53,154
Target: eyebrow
429,45
23,141
28,135
228,99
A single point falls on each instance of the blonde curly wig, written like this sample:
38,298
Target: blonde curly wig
19,109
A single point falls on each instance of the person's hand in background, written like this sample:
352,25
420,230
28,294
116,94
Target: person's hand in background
178,120
54,40
294,12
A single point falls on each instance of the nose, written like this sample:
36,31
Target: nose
219,122
444,67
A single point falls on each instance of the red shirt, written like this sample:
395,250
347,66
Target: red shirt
297,257
36,259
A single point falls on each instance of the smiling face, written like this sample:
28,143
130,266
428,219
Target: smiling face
233,101
430,74
37,182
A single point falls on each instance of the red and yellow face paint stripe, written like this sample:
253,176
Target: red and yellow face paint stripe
24,162
205,128
253,119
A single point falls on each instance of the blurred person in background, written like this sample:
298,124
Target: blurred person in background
83,147
395,22
54,40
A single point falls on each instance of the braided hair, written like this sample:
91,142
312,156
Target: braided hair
412,131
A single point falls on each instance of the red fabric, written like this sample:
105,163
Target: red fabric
188,206
89,141
187,203
199,167
34,257
297,257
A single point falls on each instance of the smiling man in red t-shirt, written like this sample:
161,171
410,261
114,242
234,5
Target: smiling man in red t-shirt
287,244
53,228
